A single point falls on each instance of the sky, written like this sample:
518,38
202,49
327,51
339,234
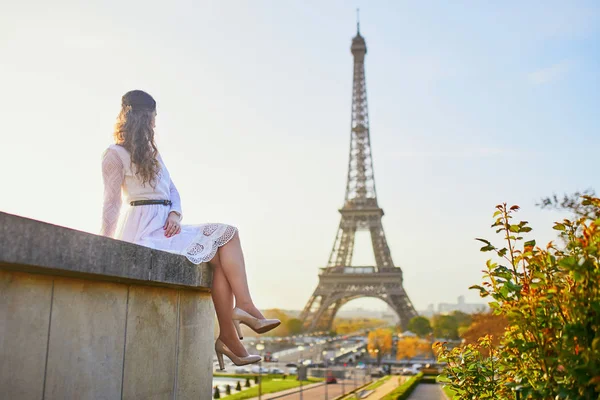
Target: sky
471,104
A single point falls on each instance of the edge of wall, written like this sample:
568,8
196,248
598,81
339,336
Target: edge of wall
30,245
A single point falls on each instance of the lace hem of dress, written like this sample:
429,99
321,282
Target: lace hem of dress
222,240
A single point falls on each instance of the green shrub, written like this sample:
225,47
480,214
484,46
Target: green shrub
403,391
551,299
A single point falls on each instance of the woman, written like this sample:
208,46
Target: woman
134,166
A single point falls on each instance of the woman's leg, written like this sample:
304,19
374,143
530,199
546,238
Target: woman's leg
233,266
223,299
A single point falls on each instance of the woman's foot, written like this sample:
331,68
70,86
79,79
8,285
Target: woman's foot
258,325
223,350
251,309
234,344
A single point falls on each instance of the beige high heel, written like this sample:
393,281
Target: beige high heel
256,324
221,348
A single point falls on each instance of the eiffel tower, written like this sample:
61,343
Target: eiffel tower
340,282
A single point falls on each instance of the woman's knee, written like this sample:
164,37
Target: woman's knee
235,235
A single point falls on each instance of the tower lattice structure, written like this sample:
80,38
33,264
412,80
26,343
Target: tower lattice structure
340,282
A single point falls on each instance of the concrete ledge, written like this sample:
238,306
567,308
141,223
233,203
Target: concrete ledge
88,317
32,246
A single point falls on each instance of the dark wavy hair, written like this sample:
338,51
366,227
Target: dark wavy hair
135,132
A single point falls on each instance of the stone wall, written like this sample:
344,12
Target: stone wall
87,317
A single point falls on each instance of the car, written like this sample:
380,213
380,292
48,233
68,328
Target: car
330,378
259,370
242,370
292,370
276,370
291,365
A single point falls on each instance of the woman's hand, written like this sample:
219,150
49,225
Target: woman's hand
172,226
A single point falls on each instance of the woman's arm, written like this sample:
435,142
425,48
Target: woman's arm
175,200
112,175
172,225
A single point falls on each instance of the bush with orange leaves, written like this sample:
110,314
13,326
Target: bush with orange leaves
550,298
484,324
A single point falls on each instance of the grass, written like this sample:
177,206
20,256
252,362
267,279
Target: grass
270,384
240,376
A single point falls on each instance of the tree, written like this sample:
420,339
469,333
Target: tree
379,343
217,394
571,203
462,319
550,298
420,325
294,326
445,326
410,347
238,387
348,325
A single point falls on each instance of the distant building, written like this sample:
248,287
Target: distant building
461,305
430,312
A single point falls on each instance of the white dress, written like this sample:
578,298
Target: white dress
143,225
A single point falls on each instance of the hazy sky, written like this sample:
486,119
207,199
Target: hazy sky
471,104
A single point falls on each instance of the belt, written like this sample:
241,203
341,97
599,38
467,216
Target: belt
146,202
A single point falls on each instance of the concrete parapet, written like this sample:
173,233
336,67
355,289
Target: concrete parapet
88,317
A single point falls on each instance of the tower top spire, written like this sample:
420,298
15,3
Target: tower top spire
359,47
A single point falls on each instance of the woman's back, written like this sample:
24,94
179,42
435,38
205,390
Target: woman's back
120,180
120,168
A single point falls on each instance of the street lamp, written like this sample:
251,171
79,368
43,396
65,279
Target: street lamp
324,353
301,349
260,347
353,371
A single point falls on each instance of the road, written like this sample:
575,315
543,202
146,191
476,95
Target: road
427,391
386,388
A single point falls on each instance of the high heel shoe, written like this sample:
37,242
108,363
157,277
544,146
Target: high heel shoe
221,348
258,325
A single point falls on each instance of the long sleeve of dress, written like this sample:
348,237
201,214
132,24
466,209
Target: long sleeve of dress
175,199
113,174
